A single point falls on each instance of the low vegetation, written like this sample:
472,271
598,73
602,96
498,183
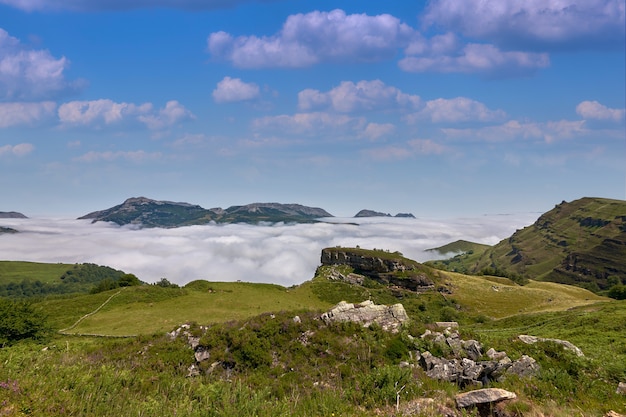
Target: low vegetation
109,353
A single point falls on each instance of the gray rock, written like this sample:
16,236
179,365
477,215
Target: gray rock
621,388
390,318
201,354
529,340
473,349
495,355
523,367
483,396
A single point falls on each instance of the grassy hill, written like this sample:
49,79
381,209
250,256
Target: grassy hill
34,279
582,243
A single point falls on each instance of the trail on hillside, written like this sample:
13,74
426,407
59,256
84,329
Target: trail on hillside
66,330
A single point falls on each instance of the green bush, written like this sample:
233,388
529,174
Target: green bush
20,320
618,292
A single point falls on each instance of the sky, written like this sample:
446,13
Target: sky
438,108
272,253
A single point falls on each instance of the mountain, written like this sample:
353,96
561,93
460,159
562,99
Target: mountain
152,213
7,230
582,243
11,215
372,213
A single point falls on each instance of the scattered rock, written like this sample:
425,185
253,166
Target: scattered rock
529,340
613,414
495,355
447,324
621,388
390,318
483,396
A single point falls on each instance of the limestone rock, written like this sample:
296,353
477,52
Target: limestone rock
529,340
483,396
621,388
524,366
390,318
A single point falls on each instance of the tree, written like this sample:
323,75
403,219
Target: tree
20,320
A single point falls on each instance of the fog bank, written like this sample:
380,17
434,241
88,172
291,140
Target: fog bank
278,253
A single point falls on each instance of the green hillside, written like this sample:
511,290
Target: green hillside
35,279
580,243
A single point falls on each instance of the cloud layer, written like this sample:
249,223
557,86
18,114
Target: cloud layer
280,254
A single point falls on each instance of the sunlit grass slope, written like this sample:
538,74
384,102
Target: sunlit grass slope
150,309
497,297
17,271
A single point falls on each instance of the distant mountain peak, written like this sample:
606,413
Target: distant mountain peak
372,213
11,215
154,213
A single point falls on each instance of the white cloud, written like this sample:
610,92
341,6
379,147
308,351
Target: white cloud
99,5
105,112
27,74
459,109
475,58
594,110
108,156
233,89
375,131
13,114
412,148
171,114
20,149
514,130
278,254
365,95
535,24
311,123
308,39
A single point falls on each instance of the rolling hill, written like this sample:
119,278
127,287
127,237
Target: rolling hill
581,243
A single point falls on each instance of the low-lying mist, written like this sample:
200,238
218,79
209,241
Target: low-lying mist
277,253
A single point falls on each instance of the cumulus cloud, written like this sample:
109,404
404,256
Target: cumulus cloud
533,24
459,109
233,89
594,110
474,58
13,114
30,74
105,112
361,96
280,254
20,149
311,38
171,114
98,5
132,156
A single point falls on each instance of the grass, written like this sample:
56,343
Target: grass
17,271
498,297
150,309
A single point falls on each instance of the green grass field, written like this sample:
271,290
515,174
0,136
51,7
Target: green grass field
17,271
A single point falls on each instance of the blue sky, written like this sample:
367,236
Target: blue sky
435,108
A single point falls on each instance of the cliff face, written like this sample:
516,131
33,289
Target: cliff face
384,267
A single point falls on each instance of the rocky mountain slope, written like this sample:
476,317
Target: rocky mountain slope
372,213
146,212
11,215
582,243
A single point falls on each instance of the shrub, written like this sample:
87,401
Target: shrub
19,320
618,292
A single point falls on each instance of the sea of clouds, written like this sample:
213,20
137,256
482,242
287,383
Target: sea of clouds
271,253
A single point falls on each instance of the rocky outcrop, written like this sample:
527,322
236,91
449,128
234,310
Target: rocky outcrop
384,267
529,340
390,318
7,230
466,367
